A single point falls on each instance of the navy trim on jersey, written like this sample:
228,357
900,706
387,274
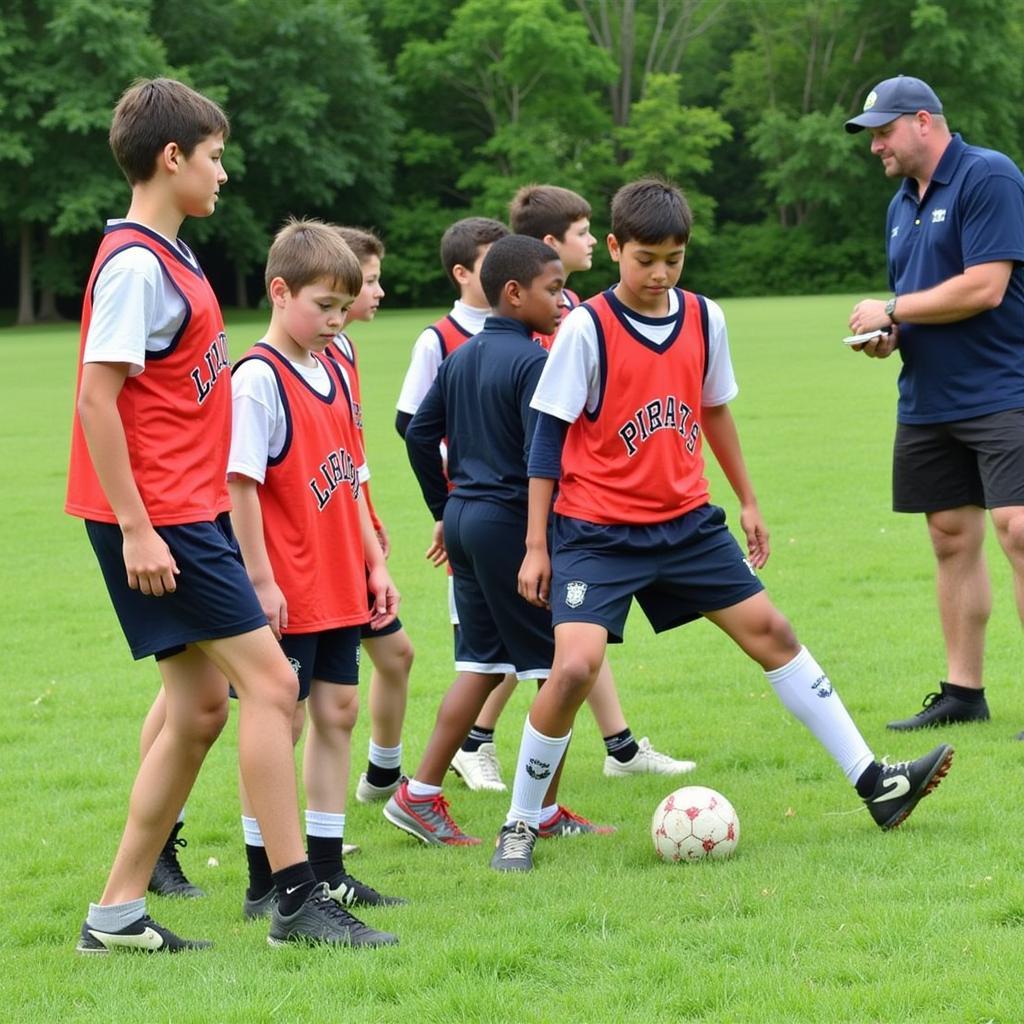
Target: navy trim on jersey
703,304
273,460
624,315
171,247
349,356
440,336
602,362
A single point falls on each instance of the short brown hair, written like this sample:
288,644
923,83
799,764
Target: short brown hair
155,111
460,244
539,210
363,243
304,251
650,211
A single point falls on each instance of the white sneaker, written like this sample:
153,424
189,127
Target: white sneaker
648,761
368,793
479,770
347,849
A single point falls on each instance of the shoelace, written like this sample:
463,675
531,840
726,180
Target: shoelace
350,893
169,855
564,812
489,767
333,909
517,844
440,807
932,698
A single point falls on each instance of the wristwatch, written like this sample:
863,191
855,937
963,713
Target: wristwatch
890,309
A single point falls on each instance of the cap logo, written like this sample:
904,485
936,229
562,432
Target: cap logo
871,100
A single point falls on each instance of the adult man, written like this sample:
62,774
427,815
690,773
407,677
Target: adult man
955,245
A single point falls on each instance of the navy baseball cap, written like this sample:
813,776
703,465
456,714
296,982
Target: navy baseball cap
895,96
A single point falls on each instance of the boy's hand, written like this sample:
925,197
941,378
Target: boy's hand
149,563
753,526
385,598
437,553
535,578
382,539
273,603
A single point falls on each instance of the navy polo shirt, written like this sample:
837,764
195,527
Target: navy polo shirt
972,213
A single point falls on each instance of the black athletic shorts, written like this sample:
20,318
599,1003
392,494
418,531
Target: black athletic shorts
980,461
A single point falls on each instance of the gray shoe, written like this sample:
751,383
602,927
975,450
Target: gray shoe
259,907
514,848
321,920
367,792
427,819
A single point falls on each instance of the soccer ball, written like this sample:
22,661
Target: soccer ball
693,823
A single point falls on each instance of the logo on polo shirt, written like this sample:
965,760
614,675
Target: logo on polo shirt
574,593
938,216
895,231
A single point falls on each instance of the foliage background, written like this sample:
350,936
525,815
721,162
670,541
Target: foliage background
407,114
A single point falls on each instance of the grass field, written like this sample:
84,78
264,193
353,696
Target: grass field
819,917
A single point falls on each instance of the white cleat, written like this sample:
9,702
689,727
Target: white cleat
368,793
479,770
646,761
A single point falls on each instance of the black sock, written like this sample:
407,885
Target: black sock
377,776
622,746
325,856
477,735
261,881
293,885
965,693
868,780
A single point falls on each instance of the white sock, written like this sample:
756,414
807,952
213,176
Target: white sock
181,815
539,757
251,831
548,812
385,757
115,916
422,790
807,693
325,825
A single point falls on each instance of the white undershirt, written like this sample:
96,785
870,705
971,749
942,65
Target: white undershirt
259,426
571,379
135,308
427,356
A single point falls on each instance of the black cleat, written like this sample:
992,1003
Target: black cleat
321,920
144,935
168,879
261,906
943,708
900,786
513,849
350,892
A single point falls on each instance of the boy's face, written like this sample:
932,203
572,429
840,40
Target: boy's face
647,272
312,316
470,290
368,299
540,302
198,178
576,249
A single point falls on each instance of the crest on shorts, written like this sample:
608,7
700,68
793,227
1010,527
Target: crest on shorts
296,665
574,593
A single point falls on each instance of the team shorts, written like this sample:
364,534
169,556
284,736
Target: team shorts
677,571
980,461
498,631
330,657
214,597
367,632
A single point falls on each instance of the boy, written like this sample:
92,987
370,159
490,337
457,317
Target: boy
480,402
560,218
148,475
389,648
306,535
639,374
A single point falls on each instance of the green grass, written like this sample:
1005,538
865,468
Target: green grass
819,916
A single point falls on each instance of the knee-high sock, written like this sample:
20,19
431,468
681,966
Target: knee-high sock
539,756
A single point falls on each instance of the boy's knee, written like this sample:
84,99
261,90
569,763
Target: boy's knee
575,674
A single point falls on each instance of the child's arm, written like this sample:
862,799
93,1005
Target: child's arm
535,572
720,431
382,589
378,526
422,441
247,520
147,559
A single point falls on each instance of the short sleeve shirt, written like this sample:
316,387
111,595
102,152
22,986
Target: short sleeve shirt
972,213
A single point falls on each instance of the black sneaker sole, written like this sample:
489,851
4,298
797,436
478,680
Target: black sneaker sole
930,783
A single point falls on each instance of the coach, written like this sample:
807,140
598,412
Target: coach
955,248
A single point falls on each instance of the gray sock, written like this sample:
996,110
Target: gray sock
115,917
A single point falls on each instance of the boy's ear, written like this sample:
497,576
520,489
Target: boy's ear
461,273
613,248
170,158
513,292
278,291
554,243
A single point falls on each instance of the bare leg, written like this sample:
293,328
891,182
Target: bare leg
392,658
495,703
1009,524
963,589
196,709
298,721
604,702
333,710
152,724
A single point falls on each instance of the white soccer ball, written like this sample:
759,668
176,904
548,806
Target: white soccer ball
694,823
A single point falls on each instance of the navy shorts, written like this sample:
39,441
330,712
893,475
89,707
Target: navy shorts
330,657
498,631
367,632
677,571
214,597
980,461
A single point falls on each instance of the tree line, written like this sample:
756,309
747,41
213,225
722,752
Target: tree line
403,115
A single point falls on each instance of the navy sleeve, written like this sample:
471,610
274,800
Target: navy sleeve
527,415
402,421
546,450
423,438
993,223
